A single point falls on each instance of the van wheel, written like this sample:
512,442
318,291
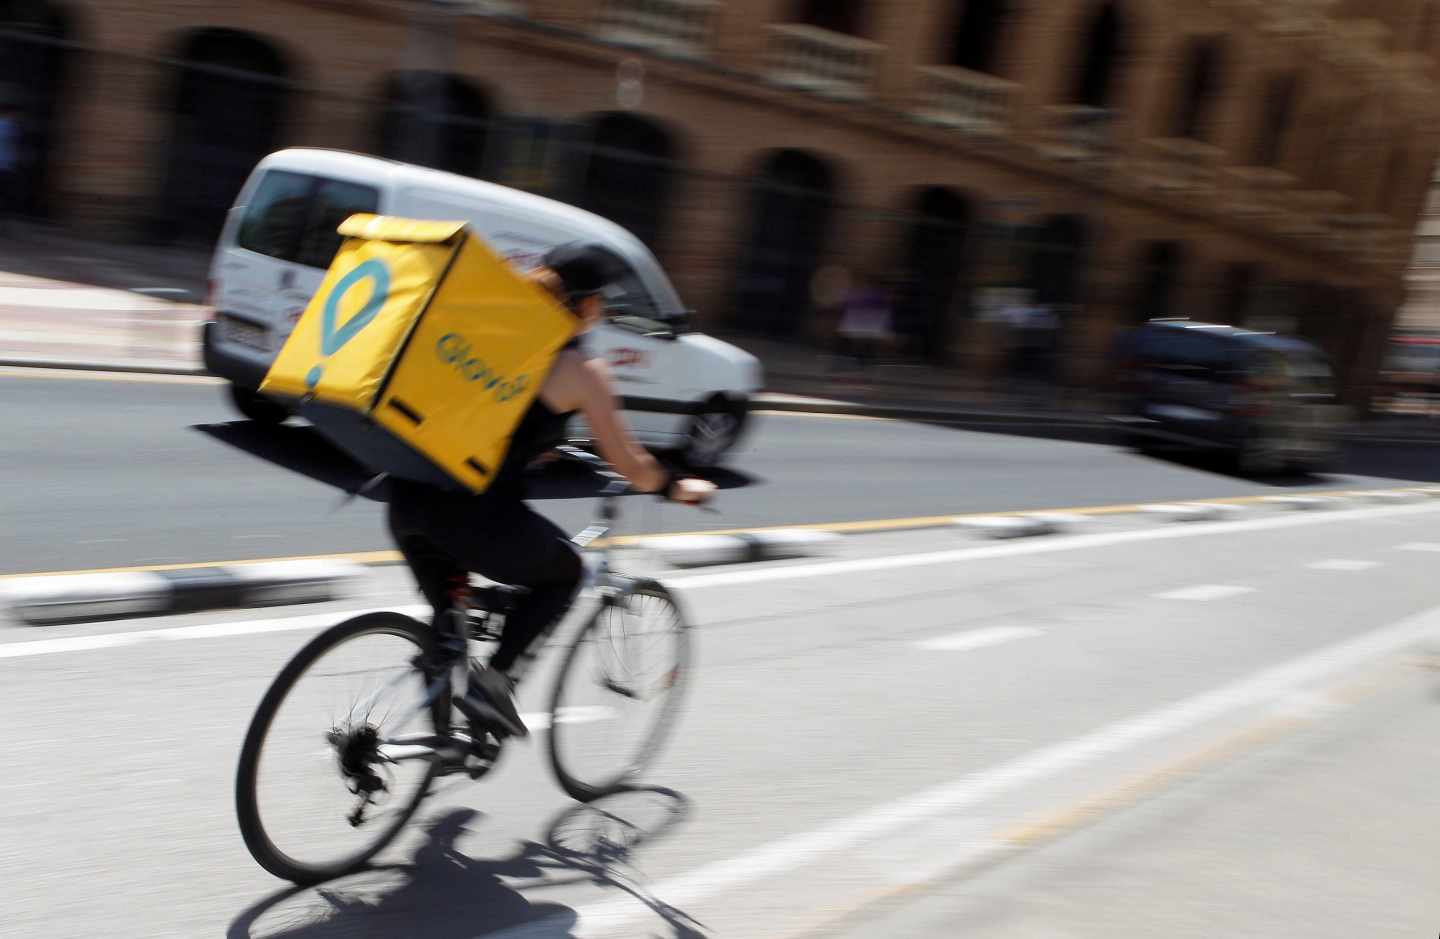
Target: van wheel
257,407
1255,458
713,431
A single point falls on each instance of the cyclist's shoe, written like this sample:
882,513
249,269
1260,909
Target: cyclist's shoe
490,702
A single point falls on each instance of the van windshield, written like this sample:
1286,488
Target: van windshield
294,216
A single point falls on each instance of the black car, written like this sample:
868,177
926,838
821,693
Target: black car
1266,401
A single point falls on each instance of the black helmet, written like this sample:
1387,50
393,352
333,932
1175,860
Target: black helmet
583,268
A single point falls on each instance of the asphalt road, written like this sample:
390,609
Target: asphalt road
111,473
865,738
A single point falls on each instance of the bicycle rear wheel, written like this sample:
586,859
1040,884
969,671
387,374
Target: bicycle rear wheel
339,753
618,692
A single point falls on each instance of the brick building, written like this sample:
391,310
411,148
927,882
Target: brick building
1259,161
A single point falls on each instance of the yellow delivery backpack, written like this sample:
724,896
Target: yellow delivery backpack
421,351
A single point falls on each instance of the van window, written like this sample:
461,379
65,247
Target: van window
629,304
333,202
276,214
293,216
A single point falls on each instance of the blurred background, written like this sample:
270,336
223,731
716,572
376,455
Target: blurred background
1023,181
974,244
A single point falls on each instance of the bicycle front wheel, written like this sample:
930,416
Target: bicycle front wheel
618,692
340,751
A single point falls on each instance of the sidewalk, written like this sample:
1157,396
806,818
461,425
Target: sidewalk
66,302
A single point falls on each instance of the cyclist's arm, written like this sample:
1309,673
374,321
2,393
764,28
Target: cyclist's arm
584,384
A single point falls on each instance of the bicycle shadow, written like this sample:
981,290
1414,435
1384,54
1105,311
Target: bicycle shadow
301,449
445,894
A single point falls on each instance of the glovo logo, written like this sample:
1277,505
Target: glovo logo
455,350
332,336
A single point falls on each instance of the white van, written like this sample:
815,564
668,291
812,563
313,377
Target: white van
680,389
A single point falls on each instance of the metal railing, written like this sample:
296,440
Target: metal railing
670,27
821,61
965,100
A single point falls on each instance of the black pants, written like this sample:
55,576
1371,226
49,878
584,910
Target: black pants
495,535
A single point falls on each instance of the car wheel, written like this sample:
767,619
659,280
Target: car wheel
257,407
713,431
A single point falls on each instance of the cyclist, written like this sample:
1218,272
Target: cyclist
444,534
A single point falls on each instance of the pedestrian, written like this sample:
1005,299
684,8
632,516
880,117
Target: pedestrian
865,325
827,294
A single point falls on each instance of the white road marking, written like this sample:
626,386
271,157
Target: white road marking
618,917
16,650
1203,592
978,638
762,574
757,574
1342,564
1420,546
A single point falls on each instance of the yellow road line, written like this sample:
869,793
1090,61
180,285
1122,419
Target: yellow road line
855,527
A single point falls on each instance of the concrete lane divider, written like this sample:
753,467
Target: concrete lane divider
69,598
1191,511
1391,495
1017,526
709,550
1304,503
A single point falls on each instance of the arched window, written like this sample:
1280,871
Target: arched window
975,40
840,16
1099,60
1199,86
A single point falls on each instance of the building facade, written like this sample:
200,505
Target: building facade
1421,313
1253,161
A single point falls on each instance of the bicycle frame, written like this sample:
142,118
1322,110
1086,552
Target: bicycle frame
598,579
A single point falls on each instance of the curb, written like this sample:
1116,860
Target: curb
1016,526
710,550
131,367
763,402
41,601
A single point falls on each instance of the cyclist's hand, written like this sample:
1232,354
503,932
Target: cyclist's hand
692,491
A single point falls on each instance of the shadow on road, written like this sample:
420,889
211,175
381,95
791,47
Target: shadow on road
302,449
1416,462
445,894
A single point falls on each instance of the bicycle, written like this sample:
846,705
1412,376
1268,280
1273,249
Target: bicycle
366,754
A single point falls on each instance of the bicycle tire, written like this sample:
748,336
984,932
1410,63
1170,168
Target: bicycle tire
566,774
252,827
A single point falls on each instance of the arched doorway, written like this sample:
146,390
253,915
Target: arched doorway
1099,60
629,173
975,41
228,107
791,204
934,263
33,69
1055,277
1162,264
1199,82
435,119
